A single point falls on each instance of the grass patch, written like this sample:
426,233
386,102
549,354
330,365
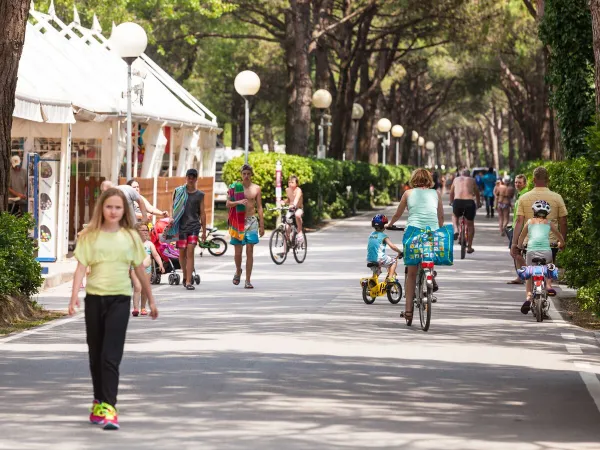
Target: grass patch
40,318
572,312
220,220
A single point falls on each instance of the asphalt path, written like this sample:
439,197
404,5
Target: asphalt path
300,362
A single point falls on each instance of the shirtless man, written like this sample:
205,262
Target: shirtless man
504,193
132,197
462,192
253,227
295,198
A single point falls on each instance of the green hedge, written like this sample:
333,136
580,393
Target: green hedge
322,178
581,258
20,273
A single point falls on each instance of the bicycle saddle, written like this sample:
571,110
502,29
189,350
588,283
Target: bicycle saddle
541,261
372,264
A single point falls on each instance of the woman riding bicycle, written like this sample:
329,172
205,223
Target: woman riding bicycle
424,210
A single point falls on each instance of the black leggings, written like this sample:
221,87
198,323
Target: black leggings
489,205
106,319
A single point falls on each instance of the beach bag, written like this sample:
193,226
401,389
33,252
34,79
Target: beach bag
429,245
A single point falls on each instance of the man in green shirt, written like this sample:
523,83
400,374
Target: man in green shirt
521,188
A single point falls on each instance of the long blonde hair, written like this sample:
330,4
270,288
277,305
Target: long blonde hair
97,219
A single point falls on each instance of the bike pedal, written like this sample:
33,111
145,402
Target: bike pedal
433,299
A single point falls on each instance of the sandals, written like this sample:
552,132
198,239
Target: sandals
470,250
236,278
248,285
190,287
551,292
526,307
408,316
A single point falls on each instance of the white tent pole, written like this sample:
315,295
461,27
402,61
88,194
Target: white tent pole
136,150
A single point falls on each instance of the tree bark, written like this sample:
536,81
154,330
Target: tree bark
595,10
457,148
13,18
511,143
299,86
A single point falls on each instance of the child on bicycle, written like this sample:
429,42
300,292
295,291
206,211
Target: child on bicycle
537,231
378,241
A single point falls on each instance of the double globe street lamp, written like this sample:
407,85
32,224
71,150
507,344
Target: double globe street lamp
321,100
129,40
246,84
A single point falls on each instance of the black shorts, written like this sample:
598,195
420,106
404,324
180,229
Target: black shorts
468,207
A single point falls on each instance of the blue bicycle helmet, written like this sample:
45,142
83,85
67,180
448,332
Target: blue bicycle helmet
379,221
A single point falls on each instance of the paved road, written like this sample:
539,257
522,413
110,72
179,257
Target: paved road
301,362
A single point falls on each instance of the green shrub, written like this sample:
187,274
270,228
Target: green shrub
324,179
20,273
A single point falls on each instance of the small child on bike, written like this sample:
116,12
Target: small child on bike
378,241
537,230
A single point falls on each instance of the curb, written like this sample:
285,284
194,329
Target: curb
56,280
567,292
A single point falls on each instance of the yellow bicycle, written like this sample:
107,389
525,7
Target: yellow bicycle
373,288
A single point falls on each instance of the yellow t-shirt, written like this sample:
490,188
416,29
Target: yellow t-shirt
557,206
110,255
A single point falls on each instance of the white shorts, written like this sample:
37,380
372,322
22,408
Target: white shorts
386,261
546,254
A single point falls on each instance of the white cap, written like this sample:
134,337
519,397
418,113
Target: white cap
15,161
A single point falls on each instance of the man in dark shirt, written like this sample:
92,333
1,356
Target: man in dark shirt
192,221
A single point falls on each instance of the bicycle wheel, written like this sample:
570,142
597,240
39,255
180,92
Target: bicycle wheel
394,292
300,249
425,297
538,308
463,239
367,295
220,251
278,246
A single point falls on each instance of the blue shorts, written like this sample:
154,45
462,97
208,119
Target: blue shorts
250,233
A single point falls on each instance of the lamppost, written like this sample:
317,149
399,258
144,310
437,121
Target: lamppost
414,137
397,132
129,40
321,100
357,114
246,84
430,146
384,126
420,145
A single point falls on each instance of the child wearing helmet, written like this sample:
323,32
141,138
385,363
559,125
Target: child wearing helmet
378,241
537,231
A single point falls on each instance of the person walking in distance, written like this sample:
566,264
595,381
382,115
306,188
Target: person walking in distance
489,183
556,216
520,189
109,245
465,199
244,202
504,193
189,218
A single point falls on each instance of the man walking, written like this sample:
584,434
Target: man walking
189,217
520,188
558,216
489,184
244,202
463,194
132,197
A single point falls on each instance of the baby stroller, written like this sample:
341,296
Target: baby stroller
169,253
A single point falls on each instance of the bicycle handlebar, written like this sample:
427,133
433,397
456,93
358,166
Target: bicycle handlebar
395,228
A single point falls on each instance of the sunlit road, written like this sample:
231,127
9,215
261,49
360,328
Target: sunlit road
301,362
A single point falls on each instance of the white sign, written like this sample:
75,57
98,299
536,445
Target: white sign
48,206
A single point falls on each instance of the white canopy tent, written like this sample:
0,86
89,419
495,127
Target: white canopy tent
71,86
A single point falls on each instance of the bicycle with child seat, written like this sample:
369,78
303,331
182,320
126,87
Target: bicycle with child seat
285,237
423,298
373,288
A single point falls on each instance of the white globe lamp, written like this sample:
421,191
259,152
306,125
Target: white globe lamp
414,136
384,125
246,83
397,131
357,112
129,40
321,99
429,145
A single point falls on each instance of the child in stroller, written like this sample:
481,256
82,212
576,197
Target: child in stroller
168,253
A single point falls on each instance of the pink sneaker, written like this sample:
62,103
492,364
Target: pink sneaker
96,413
110,422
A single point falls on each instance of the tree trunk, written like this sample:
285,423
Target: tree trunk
13,18
511,143
299,87
268,137
457,148
595,10
469,152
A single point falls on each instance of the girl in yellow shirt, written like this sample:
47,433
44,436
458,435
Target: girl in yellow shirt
109,245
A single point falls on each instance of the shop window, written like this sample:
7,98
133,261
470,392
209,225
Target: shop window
86,157
17,147
47,147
